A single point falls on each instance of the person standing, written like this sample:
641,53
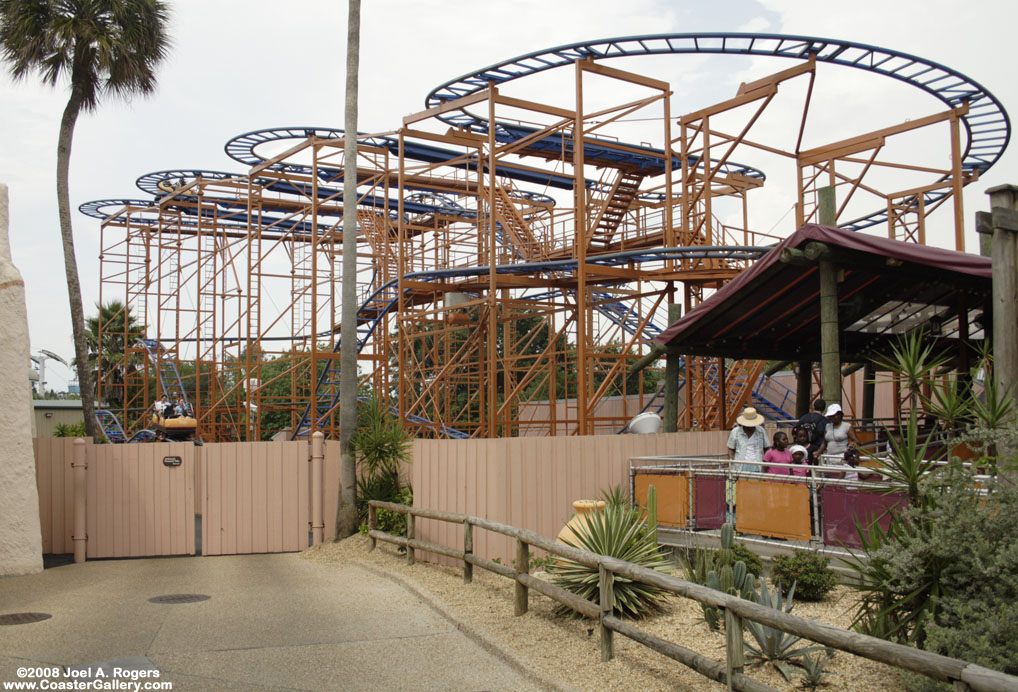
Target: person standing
748,440
838,437
814,423
778,454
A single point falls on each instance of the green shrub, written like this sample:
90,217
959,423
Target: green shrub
807,571
753,562
69,430
620,532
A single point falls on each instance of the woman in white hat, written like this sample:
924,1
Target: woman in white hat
748,440
838,436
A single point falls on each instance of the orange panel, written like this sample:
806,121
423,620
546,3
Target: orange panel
773,508
672,496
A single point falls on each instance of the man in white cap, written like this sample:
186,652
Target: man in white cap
748,440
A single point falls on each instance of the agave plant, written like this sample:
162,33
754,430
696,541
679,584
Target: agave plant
620,532
774,646
814,669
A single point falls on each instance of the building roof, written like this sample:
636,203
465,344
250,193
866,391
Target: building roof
886,287
57,403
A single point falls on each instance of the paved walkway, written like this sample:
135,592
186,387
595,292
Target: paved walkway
272,622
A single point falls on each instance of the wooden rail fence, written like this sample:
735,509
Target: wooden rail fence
964,676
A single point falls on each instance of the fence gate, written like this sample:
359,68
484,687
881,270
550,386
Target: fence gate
140,500
255,497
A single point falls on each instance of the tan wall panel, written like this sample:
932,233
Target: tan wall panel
54,480
529,482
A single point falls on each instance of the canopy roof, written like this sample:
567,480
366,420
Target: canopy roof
885,287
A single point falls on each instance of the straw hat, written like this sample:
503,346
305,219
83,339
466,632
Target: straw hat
832,409
750,418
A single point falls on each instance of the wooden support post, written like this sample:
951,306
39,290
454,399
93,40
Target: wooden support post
830,355
606,582
803,388
79,466
317,484
522,593
671,409
723,394
410,536
960,686
468,549
869,391
372,525
1004,212
735,656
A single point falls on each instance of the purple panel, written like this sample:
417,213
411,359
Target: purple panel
840,507
709,493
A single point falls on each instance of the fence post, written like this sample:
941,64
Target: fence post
468,549
409,537
372,525
735,657
317,483
606,582
79,465
522,567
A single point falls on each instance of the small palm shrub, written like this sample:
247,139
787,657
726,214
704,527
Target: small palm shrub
807,571
382,445
772,645
617,531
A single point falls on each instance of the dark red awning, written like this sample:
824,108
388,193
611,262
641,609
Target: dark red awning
771,310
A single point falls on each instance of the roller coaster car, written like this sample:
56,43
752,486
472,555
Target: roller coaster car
180,429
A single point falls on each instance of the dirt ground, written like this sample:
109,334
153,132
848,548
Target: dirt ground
566,651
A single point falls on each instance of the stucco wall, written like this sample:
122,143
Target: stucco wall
20,536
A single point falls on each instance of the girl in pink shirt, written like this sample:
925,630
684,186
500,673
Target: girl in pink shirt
778,454
799,457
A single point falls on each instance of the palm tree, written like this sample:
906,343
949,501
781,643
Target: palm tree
103,47
107,336
346,510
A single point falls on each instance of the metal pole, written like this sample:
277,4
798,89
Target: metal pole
803,388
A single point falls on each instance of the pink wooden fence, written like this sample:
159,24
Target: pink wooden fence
529,482
56,493
256,497
135,504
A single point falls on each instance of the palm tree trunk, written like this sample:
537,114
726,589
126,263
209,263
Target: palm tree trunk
346,511
67,122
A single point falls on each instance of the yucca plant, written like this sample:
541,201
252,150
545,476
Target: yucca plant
620,532
772,645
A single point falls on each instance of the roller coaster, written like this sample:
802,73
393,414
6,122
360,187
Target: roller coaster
515,255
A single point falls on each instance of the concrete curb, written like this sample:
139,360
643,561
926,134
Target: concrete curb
483,639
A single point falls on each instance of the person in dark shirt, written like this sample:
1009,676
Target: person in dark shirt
814,423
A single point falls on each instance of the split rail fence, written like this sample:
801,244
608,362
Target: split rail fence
963,675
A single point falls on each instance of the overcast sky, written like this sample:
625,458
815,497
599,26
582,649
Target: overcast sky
240,65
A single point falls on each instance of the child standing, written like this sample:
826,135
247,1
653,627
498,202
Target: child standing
799,457
778,454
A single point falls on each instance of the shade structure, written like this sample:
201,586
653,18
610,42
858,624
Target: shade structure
885,288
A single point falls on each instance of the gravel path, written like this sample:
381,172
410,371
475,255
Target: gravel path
566,651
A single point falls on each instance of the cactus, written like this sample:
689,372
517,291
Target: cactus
652,512
722,572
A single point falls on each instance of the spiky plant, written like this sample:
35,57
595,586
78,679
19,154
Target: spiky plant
620,532
814,669
772,645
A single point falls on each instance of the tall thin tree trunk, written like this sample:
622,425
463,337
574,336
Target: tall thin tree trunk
346,511
66,136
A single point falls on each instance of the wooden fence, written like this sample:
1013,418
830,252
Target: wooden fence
965,676
529,481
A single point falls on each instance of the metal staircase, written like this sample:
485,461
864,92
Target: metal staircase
110,426
616,205
169,377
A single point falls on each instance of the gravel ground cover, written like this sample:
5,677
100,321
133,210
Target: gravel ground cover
566,651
